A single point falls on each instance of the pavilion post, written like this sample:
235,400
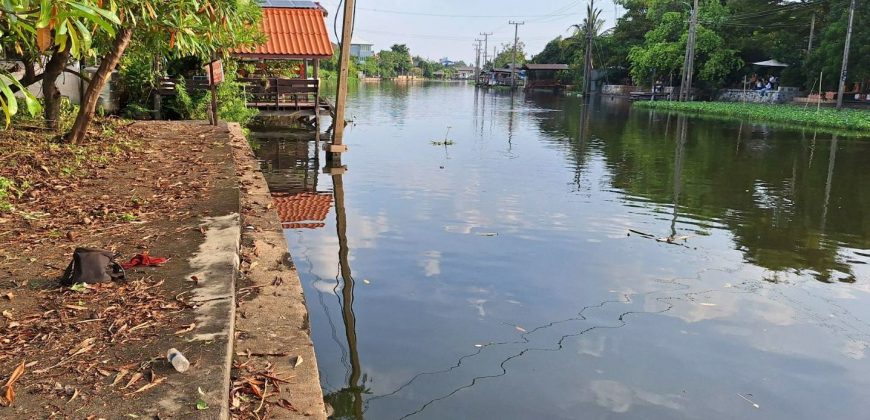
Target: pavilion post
317,95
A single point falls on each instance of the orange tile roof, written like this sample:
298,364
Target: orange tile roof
302,210
291,33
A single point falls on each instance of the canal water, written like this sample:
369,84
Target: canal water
554,260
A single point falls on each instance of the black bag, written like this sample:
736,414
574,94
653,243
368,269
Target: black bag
92,266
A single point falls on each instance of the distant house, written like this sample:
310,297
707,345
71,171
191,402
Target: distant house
544,76
464,73
446,62
361,49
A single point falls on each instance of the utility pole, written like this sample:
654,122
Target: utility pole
845,69
485,46
514,58
336,148
477,61
812,33
689,60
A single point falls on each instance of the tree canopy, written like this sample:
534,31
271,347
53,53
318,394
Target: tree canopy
649,40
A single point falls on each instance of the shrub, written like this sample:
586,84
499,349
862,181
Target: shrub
847,119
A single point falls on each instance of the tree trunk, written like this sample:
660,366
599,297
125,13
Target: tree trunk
98,81
50,93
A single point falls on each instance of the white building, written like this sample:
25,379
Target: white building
361,49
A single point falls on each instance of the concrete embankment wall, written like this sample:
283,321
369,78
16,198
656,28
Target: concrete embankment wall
271,318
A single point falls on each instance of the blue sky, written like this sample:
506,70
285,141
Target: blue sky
447,28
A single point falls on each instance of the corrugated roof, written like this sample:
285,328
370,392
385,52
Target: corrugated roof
291,33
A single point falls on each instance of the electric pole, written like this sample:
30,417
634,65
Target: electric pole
485,45
336,148
514,58
845,69
689,60
812,33
477,61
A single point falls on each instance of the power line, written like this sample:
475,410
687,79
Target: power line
449,15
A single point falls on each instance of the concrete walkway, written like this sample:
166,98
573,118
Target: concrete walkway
232,319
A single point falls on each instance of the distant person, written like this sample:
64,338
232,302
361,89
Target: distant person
758,85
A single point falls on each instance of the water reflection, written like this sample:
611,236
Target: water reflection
506,286
347,403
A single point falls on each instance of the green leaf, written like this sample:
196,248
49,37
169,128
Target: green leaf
78,287
6,111
201,405
44,14
12,102
85,33
33,105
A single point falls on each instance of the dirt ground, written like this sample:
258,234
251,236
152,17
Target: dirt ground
99,351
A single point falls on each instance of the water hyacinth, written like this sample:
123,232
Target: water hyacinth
848,119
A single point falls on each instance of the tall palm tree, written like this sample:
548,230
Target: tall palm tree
584,35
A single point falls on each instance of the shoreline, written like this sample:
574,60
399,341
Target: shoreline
851,123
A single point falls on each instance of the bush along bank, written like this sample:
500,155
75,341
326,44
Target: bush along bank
856,122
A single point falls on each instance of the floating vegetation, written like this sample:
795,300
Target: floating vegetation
445,141
847,119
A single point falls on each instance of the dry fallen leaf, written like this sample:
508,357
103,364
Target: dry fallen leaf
149,385
8,392
188,329
121,374
296,361
133,379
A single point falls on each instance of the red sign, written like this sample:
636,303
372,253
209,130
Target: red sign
217,68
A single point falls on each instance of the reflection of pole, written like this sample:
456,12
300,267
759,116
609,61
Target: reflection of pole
680,153
511,125
831,159
582,139
347,313
476,105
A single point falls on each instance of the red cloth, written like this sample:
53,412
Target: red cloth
145,260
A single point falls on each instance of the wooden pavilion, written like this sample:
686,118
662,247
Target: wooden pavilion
295,31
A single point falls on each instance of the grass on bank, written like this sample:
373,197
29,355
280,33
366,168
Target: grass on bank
847,119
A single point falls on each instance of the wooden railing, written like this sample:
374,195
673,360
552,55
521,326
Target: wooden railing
281,92
263,93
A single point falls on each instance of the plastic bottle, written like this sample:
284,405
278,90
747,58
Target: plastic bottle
179,362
